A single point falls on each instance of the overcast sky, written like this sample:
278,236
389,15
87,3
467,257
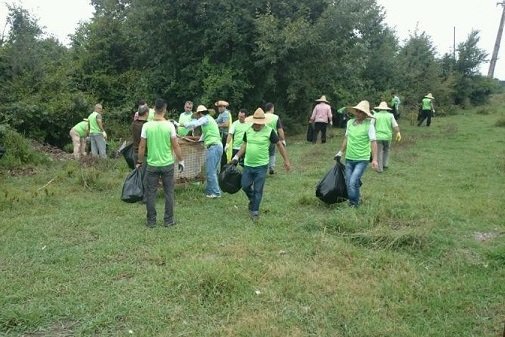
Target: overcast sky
436,17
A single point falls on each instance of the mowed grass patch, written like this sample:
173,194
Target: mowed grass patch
422,256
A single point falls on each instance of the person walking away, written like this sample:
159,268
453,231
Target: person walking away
136,128
255,147
223,120
359,139
78,134
427,109
97,134
395,105
385,123
212,141
161,139
185,117
274,121
236,133
321,116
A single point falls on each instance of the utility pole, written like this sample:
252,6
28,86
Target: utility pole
494,58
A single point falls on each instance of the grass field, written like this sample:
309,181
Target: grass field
423,256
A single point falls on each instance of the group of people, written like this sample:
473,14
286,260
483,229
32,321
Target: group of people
91,127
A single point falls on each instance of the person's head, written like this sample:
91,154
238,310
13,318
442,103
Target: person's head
393,93
160,106
269,107
143,110
322,99
201,110
188,106
141,102
258,119
98,108
362,110
242,114
383,106
221,105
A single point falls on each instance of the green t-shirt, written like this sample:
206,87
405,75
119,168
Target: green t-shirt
383,125
237,130
93,124
358,141
273,118
150,115
210,132
427,104
258,142
81,128
395,102
159,136
184,118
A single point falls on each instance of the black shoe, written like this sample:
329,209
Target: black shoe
271,171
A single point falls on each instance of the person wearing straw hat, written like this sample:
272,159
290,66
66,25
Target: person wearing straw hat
385,123
275,123
78,134
212,141
427,109
255,146
223,120
321,116
359,139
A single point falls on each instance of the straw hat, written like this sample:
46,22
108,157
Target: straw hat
382,106
222,103
430,96
322,99
201,108
362,106
258,117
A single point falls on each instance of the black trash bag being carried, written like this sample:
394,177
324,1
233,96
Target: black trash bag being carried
2,151
332,188
230,179
310,132
133,189
128,155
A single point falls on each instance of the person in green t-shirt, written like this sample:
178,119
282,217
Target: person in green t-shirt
427,109
236,133
185,117
97,133
78,134
161,139
385,123
395,105
257,139
359,139
274,121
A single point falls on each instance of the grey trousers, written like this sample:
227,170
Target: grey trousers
153,175
383,154
98,147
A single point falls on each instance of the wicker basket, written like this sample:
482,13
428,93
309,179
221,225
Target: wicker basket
194,160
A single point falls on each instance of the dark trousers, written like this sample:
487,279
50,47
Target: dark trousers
425,114
224,159
253,181
153,174
320,126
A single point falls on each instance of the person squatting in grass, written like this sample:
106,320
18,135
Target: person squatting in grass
161,138
358,140
321,116
257,140
78,134
385,123
236,133
274,121
212,141
97,133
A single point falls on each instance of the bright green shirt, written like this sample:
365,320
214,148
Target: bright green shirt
150,115
395,102
210,132
358,140
81,128
273,118
93,124
426,102
237,130
159,136
183,119
384,125
258,142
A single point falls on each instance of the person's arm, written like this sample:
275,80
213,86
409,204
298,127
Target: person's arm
142,151
330,116
280,131
229,140
373,142
176,148
284,154
99,122
313,116
225,122
240,152
195,123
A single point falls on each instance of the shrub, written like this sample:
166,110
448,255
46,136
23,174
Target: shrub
18,150
500,122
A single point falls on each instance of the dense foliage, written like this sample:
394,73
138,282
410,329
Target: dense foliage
245,51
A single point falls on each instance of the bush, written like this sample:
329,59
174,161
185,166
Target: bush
18,150
500,122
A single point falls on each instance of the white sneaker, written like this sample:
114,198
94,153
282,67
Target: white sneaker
212,196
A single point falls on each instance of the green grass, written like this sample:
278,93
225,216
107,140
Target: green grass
76,261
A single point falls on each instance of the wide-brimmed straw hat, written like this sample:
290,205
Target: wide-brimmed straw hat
201,108
430,96
322,99
362,106
382,106
258,117
222,103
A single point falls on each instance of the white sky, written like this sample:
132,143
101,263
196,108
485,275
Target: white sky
436,17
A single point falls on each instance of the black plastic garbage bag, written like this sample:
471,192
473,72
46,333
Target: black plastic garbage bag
133,189
2,151
230,179
310,132
128,155
332,188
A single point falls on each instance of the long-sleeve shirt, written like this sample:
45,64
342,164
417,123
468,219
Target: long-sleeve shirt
321,113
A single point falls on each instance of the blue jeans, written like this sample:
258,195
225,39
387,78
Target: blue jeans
253,180
153,174
354,170
212,164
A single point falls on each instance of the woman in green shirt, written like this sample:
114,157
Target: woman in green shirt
359,139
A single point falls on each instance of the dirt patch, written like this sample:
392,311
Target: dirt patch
486,236
55,153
